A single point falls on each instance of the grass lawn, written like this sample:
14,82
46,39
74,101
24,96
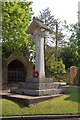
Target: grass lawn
66,104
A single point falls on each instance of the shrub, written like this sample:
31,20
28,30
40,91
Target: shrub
55,69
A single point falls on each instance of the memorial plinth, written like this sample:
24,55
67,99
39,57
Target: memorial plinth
40,85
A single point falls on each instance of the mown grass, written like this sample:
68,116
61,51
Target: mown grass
66,104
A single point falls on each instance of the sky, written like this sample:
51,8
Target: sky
62,9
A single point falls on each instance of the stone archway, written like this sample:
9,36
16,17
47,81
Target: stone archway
16,71
16,68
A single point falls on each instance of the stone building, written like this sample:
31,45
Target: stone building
16,69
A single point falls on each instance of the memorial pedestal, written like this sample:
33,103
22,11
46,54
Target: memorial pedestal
38,87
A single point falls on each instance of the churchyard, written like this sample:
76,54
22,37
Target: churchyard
37,78
64,99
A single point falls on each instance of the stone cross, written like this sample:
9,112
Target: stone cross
39,29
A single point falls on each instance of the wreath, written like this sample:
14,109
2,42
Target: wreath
36,74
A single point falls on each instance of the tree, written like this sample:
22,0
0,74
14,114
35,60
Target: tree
16,17
78,36
52,22
69,52
56,36
48,18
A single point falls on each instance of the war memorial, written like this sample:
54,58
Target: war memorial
38,85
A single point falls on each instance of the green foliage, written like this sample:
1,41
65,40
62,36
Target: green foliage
55,68
69,57
16,17
78,35
51,22
69,53
48,18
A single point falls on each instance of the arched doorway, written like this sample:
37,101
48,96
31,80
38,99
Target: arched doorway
16,71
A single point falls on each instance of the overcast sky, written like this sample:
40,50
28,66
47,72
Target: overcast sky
62,9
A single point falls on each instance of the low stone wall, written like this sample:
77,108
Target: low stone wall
73,75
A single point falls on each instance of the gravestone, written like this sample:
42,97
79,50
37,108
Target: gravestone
74,75
73,72
39,85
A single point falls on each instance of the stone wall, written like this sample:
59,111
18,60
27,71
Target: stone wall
73,75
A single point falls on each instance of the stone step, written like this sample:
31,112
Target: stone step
28,100
37,92
39,86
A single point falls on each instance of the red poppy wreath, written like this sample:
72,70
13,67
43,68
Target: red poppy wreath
36,74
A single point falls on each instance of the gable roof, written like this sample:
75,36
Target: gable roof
35,24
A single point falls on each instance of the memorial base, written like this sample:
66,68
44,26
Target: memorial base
38,87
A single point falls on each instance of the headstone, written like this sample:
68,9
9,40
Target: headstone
77,77
74,75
